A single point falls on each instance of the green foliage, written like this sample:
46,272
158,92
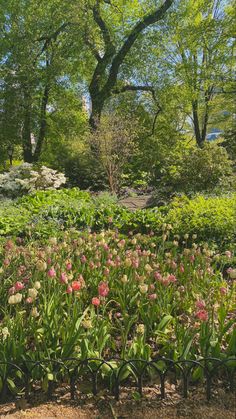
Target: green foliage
212,219
194,170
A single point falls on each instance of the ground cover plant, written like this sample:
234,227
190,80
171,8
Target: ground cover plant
88,295
211,218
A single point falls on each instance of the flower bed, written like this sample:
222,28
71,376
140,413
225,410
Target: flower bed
99,295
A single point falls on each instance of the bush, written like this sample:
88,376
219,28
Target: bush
195,170
212,219
26,178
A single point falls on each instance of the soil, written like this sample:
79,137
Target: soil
221,406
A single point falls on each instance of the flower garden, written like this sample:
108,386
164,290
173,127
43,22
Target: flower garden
101,295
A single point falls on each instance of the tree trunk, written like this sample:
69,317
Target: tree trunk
43,123
26,130
196,124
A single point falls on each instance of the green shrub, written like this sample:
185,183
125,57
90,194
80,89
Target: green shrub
212,219
195,170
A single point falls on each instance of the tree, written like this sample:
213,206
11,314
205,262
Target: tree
105,79
114,142
34,57
193,51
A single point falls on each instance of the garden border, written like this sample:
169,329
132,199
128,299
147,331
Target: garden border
138,367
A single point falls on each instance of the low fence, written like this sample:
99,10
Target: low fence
72,371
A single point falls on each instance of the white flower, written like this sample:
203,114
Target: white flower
14,299
5,333
32,292
140,329
124,279
37,285
143,288
34,312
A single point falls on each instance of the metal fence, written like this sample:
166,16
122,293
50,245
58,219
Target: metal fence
73,371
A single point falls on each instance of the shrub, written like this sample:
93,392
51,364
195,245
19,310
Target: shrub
194,170
212,219
26,178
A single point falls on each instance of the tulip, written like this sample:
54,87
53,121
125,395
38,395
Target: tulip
63,278
143,288
15,299
76,285
223,290
69,289
103,289
200,304
19,286
202,315
95,301
68,266
41,265
51,273
124,279
12,291
32,292
29,300
152,296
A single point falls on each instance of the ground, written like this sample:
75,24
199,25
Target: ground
222,406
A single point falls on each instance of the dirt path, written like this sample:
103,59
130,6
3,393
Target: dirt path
103,407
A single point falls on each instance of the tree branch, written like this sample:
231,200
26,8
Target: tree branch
109,47
138,28
129,87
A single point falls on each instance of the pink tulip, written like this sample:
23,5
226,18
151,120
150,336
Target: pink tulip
103,289
223,290
95,301
181,268
68,266
152,296
200,304
69,289
52,272
29,300
135,263
172,278
11,291
157,276
63,278
83,259
106,272
202,315
19,286
76,285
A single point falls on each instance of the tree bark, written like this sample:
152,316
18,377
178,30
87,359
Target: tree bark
26,130
196,124
43,123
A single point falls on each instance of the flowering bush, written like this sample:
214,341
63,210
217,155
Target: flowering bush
25,178
100,294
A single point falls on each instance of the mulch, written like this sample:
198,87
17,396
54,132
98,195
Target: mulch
221,406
